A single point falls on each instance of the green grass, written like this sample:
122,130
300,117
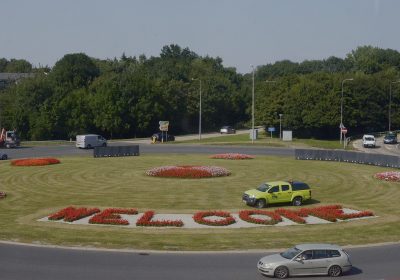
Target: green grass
264,140
35,192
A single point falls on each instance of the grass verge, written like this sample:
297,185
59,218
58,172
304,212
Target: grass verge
35,192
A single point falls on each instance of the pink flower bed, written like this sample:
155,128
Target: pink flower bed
111,216
201,218
147,221
393,176
188,171
272,217
3,195
71,213
231,156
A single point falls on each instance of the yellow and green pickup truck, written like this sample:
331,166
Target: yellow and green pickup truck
277,192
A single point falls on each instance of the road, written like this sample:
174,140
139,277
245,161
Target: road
70,150
381,148
40,263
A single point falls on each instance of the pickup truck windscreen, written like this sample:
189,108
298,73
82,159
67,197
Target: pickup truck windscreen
263,187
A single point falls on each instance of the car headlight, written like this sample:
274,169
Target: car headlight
267,265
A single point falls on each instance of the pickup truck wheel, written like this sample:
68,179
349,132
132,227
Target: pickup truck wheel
89,146
297,201
261,203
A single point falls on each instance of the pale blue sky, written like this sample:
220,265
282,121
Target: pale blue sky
240,32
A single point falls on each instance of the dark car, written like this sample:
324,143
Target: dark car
162,137
227,130
390,139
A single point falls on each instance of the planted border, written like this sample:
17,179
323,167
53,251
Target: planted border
188,171
111,216
393,176
147,220
34,161
201,218
247,216
71,214
233,156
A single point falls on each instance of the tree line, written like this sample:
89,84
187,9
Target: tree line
127,96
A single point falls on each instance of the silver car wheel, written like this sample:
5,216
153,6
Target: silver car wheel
281,272
335,271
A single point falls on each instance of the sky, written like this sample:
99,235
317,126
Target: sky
241,32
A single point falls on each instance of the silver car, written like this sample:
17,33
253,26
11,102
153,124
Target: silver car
306,259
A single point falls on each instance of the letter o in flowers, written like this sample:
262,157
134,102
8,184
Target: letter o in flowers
247,216
201,218
34,161
188,171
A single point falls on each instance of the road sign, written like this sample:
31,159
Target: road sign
163,125
271,129
344,130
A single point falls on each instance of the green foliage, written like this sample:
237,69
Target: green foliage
127,97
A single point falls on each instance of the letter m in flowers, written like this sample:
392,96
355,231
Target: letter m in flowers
71,214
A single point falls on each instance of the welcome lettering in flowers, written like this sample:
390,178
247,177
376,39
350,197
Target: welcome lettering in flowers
202,219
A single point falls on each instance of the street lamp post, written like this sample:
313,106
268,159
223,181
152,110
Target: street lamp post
341,110
199,108
252,107
390,102
280,126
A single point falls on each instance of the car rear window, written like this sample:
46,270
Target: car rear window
300,186
332,253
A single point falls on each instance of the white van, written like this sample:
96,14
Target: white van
369,141
88,141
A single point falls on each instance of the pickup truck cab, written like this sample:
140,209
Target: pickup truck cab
277,192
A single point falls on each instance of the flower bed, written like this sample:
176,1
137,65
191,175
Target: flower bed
146,220
200,218
231,156
188,171
292,215
34,161
3,195
111,216
246,215
71,213
393,176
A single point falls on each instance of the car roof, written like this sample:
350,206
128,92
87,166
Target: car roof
317,246
274,183
368,135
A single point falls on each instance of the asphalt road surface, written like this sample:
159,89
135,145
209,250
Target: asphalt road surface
71,150
38,263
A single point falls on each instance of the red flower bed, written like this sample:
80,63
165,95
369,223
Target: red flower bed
146,221
34,161
111,216
200,218
231,156
246,215
393,176
3,195
291,215
71,213
332,213
188,171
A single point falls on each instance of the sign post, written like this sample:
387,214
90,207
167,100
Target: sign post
164,127
271,129
344,131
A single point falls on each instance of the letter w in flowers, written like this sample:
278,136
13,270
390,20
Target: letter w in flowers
71,214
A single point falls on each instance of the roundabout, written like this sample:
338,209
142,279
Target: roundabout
33,193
